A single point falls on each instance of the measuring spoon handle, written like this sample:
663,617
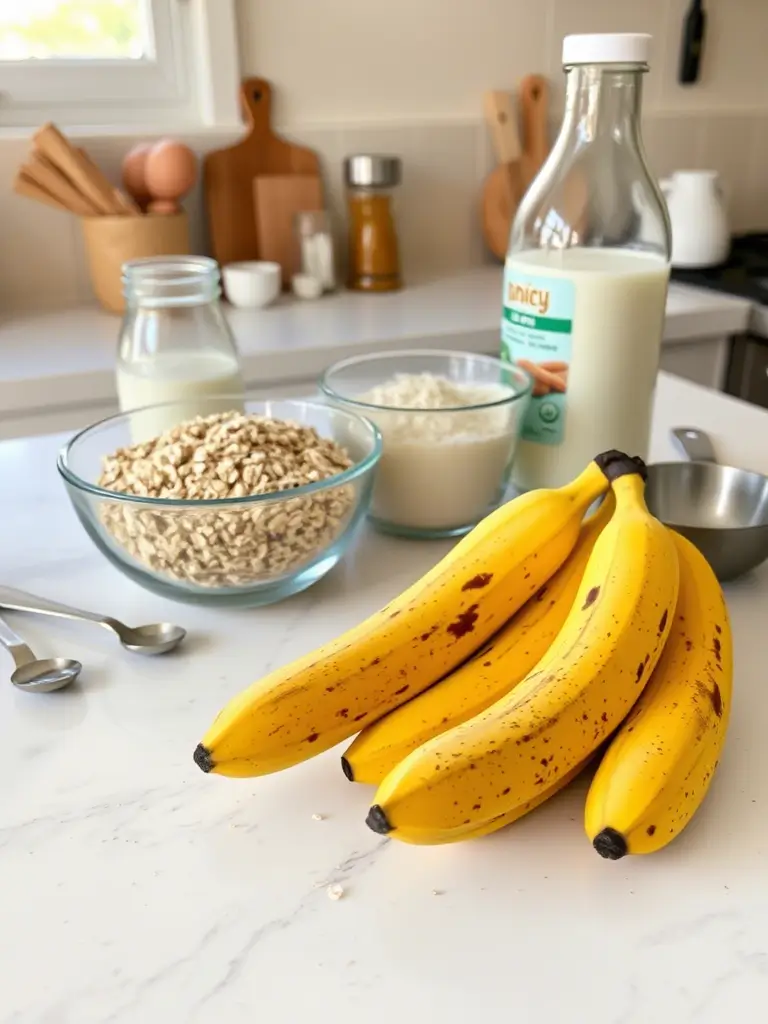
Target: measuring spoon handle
20,601
15,646
694,444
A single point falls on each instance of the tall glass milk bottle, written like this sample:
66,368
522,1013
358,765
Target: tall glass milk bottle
587,270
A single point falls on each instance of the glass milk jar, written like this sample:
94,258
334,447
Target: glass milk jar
175,344
587,271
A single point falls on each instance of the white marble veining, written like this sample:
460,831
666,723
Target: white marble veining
135,890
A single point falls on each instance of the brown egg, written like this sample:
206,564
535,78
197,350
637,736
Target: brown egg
170,170
163,206
134,172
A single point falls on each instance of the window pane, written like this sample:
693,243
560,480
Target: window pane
40,29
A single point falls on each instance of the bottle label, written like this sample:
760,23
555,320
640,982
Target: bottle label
536,329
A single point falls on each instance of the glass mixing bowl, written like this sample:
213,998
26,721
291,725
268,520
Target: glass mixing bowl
252,550
442,469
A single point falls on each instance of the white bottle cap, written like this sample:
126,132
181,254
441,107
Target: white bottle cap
607,48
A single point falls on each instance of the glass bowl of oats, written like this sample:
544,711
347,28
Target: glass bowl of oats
243,503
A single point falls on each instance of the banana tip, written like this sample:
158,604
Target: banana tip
346,767
203,758
610,844
377,820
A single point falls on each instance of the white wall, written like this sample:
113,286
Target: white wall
353,61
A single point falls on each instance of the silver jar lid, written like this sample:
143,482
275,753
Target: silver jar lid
370,170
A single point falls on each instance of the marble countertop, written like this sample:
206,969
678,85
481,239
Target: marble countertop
68,356
135,890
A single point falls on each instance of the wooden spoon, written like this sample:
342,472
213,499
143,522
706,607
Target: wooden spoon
504,186
534,103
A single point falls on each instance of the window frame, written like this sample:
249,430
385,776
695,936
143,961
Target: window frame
190,81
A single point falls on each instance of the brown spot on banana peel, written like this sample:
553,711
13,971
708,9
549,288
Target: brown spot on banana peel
663,622
592,596
478,582
464,623
714,696
717,701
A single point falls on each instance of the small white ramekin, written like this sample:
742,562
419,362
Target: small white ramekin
253,283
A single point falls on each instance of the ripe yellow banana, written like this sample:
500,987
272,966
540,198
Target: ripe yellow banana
564,709
659,766
494,671
326,696
421,837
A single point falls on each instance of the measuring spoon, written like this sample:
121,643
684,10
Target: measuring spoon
34,674
157,638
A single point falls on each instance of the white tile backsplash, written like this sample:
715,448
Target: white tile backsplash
729,145
345,61
444,164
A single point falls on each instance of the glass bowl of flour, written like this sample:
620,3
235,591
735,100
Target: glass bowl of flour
449,422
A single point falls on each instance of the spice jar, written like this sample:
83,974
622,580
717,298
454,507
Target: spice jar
374,261
313,228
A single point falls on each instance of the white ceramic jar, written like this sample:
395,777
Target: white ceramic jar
700,233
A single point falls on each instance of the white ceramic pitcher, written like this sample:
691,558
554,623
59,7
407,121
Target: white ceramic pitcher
697,208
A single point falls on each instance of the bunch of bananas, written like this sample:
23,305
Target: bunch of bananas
491,682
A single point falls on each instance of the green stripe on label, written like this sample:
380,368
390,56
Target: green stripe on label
540,323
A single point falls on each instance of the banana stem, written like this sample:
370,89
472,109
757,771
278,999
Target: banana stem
630,490
588,486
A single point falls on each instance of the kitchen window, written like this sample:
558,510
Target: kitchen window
112,63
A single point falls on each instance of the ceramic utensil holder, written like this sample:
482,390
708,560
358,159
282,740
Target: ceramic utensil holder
112,241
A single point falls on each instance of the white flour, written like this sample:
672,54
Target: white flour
447,467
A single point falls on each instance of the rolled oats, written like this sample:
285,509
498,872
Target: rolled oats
227,455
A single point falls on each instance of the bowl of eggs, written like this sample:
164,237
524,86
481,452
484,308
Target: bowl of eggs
156,176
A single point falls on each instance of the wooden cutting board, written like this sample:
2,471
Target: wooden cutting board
277,200
504,187
228,176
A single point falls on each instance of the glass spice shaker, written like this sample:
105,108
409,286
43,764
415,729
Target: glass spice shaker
374,261
313,228
175,344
